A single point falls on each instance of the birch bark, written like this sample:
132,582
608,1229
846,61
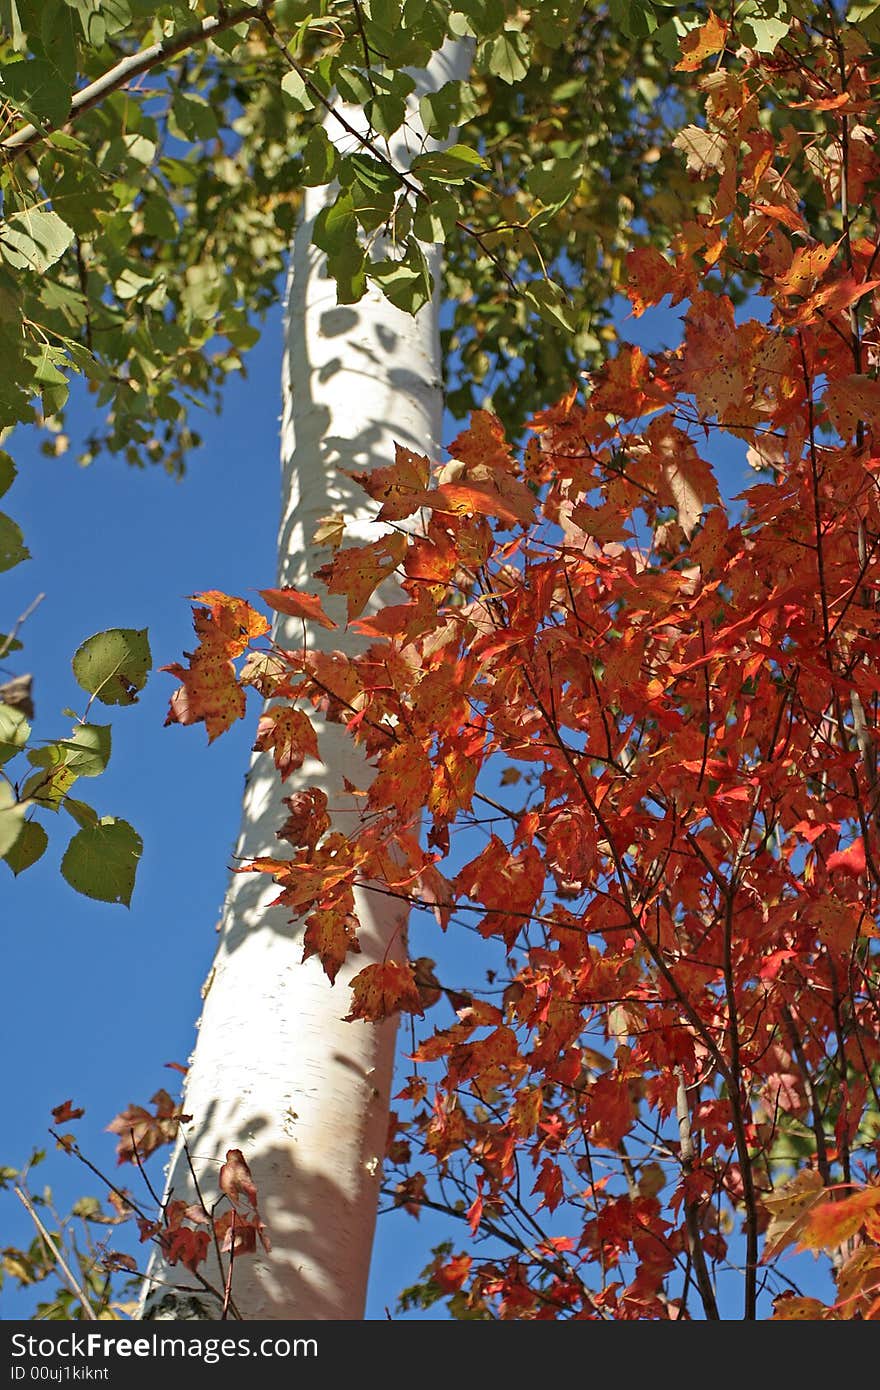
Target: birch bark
276,1071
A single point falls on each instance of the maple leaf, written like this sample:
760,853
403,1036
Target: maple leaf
308,819
403,780
235,1180
650,277
331,935
702,43
227,623
508,499
831,1224
387,988
141,1133
789,1207
848,861
297,605
65,1112
209,692
853,400
400,487
483,444
359,570
288,734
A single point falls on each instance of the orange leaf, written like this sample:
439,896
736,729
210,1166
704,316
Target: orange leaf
381,990
793,1308
400,487
359,570
831,1224
650,277
209,692
331,934
297,605
508,499
701,43
288,734
852,400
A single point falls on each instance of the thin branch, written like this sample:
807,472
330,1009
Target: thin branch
19,624
134,65
53,1248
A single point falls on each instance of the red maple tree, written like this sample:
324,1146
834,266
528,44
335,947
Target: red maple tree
665,707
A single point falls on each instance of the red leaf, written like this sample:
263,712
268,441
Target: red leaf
65,1112
850,860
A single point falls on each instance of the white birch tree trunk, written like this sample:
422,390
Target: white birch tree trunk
276,1071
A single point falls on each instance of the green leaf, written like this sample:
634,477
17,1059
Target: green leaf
12,814
7,472
101,862
454,165
29,846
86,753
336,226
114,665
296,92
764,34
37,89
319,158
14,732
507,56
406,283
554,180
434,221
550,302
12,548
34,239
85,817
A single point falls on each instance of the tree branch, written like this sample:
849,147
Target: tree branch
134,65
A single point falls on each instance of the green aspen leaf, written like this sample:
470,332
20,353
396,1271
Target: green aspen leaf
407,284
29,846
113,665
433,222
86,753
48,786
551,304
101,861
484,16
193,119
58,39
34,239
349,270
764,34
335,228
454,165
296,92
10,644
867,19
506,56
12,548
289,12
14,732
319,158
451,105
353,86
84,815
553,181
8,471
12,815
37,89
